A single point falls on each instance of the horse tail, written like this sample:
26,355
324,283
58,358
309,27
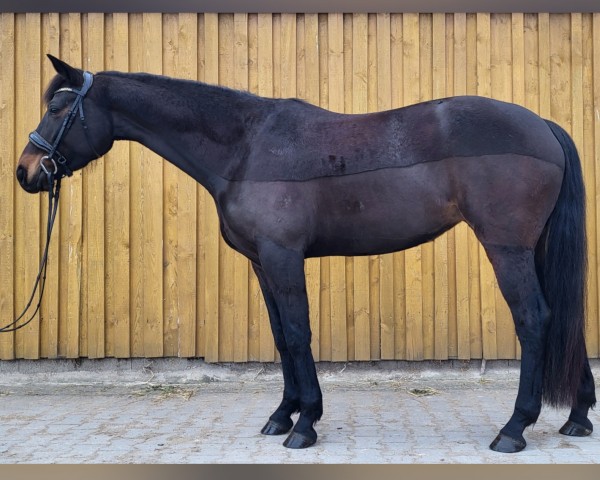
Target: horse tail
561,257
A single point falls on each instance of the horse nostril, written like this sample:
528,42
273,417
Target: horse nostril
21,174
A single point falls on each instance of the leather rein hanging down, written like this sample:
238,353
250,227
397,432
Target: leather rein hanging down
54,175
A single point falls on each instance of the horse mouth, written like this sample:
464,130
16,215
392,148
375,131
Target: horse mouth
39,183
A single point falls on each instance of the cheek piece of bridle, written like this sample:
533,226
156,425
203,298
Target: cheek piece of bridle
58,170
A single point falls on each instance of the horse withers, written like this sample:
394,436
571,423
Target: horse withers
291,180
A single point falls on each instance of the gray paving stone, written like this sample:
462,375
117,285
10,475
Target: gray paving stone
117,421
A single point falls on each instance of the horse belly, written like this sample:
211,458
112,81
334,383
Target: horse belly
382,211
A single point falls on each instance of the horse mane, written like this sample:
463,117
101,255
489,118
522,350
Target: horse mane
179,84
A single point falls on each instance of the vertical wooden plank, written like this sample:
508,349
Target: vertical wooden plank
136,56
301,56
93,186
50,306
117,203
276,46
83,313
28,93
71,217
593,331
240,267
427,253
187,211
226,291
171,314
362,330
255,297
440,245
201,218
312,267
502,83
413,257
461,230
544,63
451,248
152,192
474,274
398,259
348,261
531,54
212,245
374,275
20,33
325,331
518,58
337,265
7,196
386,262
109,326
560,71
487,277
288,64
265,88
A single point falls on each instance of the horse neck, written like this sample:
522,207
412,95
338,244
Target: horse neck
197,127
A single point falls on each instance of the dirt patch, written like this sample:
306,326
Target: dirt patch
163,392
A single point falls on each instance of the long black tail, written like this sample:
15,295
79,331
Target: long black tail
562,266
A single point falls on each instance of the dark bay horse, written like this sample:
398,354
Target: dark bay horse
291,180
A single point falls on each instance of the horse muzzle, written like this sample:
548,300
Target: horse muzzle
37,183
29,173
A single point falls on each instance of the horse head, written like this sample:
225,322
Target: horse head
76,129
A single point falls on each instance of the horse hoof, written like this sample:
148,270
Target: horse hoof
275,428
574,429
299,440
505,444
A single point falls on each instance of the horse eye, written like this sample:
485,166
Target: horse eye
53,110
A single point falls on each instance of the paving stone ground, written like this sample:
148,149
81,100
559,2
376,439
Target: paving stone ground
187,412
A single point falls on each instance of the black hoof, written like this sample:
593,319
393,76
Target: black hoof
276,428
505,444
299,440
574,429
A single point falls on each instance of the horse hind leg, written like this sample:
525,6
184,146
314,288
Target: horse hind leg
578,424
519,284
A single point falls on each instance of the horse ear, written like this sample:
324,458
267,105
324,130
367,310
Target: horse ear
73,75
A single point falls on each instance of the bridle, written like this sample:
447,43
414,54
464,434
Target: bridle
60,169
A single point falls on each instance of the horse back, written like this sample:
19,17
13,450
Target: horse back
300,142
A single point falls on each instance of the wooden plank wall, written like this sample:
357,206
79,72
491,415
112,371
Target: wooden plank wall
137,267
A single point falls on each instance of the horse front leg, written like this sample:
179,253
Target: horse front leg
283,271
280,421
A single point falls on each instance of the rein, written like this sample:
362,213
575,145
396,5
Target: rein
54,176
40,281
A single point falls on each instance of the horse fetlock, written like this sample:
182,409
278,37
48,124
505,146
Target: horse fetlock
289,405
313,408
527,414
